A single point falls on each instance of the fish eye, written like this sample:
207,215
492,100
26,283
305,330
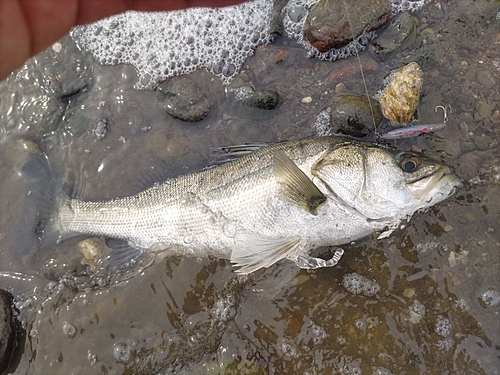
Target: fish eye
408,163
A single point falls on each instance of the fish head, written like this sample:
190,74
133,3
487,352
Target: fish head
381,184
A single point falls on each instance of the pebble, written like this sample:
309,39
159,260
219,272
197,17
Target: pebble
483,142
183,100
486,78
263,99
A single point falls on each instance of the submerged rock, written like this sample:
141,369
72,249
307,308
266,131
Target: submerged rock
330,25
399,34
184,101
351,115
7,329
263,99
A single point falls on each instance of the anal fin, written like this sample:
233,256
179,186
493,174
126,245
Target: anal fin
253,251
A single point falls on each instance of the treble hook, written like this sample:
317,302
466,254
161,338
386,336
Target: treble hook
445,113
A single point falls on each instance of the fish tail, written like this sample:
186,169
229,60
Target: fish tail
45,195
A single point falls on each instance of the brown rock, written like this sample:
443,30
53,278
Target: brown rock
328,25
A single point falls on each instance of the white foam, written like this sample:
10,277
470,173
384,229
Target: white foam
165,44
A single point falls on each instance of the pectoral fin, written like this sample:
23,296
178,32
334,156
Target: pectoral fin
253,251
295,185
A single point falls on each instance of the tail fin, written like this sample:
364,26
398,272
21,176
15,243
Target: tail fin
44,195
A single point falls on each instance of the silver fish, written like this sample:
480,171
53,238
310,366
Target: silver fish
278,202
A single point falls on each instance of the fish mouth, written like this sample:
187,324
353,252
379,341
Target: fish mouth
440,185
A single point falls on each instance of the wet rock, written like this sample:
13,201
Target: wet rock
399,34
263,99
351,115
483,109
329,26
65,68
7,329
486,78
184,101
483,142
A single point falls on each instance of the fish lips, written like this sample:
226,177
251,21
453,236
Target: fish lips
436,187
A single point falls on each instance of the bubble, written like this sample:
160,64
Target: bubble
297,13
358,284
189,33
444,345
101,129
418,307
489,298
228,70
121,352
69,330
188,239
443,326
289,351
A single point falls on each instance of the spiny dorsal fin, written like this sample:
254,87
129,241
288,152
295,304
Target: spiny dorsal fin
295,185
253,251
222,155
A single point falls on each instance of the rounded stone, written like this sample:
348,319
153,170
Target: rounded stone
184,101
351,115
263,99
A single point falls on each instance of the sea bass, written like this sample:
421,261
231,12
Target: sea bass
278,202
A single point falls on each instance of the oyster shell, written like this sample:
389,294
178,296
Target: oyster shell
400,95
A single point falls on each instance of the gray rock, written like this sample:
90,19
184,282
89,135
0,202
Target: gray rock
483,109
263,99
483,142
65,68
399,34
328,26
7,329
486,78
351,115
183,100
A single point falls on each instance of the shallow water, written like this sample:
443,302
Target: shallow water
425,300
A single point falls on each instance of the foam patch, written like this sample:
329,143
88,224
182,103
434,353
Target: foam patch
161,45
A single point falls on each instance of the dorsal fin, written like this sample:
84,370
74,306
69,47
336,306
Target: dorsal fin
222,155
295,185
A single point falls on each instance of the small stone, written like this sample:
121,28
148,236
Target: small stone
184,101
307,100
263,99
486,78
483,142
340,88
483,109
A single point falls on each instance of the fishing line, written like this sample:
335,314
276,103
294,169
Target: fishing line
361,70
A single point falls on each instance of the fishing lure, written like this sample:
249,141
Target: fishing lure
414,130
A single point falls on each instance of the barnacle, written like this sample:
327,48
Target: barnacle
399,97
